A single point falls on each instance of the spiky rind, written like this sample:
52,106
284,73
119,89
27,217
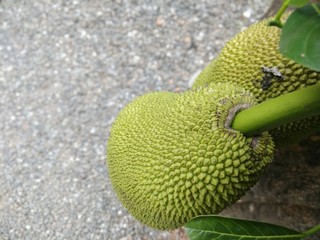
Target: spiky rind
171,156
252,60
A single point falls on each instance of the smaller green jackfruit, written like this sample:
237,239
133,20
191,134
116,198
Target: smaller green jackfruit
252,60
173,156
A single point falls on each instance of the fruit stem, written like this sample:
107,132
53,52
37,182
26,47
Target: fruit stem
277,19
278,111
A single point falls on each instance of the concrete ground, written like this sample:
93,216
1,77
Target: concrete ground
66,69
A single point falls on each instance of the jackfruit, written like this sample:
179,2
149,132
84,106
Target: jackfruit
252,60
173,156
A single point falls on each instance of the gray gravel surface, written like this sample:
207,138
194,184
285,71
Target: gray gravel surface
66,69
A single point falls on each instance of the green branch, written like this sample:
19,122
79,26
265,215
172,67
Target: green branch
311,231
277,19
278,111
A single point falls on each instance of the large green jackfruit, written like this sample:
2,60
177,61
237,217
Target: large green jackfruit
252,60
173,156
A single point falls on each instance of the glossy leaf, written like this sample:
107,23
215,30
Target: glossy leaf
222,228
300,37
298,3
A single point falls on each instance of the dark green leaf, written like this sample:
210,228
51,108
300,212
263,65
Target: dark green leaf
300,37
222,228
298,3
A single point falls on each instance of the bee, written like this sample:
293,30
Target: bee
270,74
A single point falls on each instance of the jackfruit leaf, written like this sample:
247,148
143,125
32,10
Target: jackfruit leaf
300,36
298,3
222,228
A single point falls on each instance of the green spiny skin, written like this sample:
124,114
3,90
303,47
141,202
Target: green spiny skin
173,156
252,60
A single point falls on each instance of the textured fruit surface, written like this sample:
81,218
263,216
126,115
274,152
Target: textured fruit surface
172,156
252,60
